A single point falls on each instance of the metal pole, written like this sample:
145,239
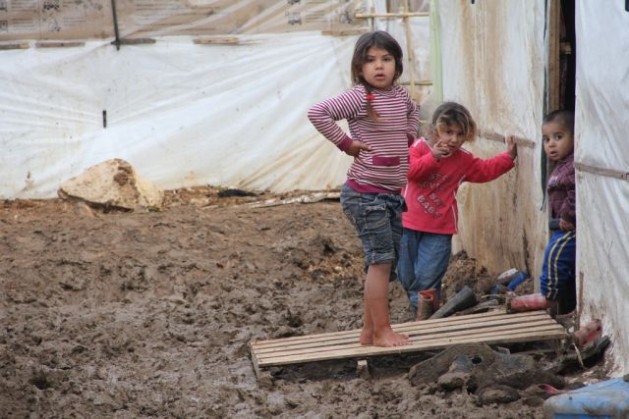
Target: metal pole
116,32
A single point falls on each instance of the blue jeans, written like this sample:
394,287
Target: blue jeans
557,281
424,259
377,217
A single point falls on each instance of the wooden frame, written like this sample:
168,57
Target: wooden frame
496,327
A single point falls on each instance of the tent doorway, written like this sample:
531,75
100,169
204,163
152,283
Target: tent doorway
562,55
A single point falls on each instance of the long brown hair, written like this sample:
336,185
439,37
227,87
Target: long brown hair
379,39
452,113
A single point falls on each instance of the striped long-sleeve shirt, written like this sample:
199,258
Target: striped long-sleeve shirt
384,167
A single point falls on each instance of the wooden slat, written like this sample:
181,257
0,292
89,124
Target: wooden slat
391,15
59,44
21,45
490,328
494,136
222,40
412,334
472,319
345,32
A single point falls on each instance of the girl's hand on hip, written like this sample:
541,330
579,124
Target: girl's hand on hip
356,147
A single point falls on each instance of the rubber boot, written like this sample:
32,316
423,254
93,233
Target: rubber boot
530,302
434,296
424,304
588,333
465,298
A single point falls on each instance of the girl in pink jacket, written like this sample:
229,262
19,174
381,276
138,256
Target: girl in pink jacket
436,170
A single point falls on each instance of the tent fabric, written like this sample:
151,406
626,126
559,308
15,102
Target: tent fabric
181,114
602,124
99,19
185,113
492,62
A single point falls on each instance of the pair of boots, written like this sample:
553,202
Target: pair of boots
427,303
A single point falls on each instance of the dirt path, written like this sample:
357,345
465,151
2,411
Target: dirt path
132,315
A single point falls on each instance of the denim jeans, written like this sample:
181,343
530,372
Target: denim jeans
424,259
377,218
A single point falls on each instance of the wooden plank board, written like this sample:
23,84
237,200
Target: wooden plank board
491,328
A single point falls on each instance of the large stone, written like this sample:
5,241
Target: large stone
112,183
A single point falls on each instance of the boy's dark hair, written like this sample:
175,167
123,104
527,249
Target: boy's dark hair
563,116
380,39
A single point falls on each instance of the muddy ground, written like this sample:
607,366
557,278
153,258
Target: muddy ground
114,314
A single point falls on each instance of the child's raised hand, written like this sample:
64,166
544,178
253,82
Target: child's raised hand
512,147
440,150
356,147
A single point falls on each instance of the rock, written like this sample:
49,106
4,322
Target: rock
113,183
453,380
497,394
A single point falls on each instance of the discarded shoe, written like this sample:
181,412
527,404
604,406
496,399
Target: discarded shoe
528,302
517,280
465,298
505,277
587,334
433,295
425,305
590,355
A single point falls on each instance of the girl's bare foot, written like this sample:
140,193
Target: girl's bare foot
387,337
366,337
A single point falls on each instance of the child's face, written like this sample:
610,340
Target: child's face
558,141
451,135
379,68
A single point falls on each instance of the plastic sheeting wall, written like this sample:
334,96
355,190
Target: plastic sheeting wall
603,201
94,19
492,63
181,114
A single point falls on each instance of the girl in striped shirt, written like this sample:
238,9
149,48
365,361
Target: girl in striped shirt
383,121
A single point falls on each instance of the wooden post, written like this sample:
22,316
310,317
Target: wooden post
409,47
362,369
554,57
577,325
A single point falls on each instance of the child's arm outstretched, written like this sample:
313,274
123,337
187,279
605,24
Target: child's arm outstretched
485,170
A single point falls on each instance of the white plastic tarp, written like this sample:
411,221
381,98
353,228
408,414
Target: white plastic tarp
602,129
492,62
181,114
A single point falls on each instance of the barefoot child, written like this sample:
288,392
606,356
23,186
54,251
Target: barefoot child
437,169
382,120
557,280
